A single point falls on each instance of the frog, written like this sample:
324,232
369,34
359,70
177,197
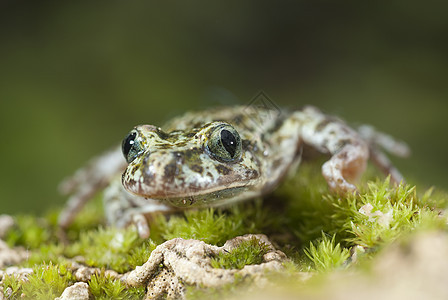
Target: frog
220,156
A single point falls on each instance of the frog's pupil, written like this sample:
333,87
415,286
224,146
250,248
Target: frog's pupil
228,141
128,142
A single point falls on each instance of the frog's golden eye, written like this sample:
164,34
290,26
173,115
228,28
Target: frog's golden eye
131,146
224,143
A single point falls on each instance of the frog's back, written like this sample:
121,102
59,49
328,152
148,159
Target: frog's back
249,120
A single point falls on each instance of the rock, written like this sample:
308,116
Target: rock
178,262
85,273
20,273
10,256
78,291
6,222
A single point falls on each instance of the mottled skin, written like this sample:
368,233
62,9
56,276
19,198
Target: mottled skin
220,156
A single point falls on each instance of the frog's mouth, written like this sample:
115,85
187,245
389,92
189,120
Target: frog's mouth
217,198
181,194
181,186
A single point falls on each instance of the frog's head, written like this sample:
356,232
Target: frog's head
208,163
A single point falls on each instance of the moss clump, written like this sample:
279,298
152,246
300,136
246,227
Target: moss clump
47,282
12,287
326,255
89,218
246,253
105,287
213,226
48,253
140,254
112,248
30,232
377,215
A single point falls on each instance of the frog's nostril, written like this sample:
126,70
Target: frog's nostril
178,157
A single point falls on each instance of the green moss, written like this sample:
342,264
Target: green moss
327,255
48,253
33,232
246,253
307,211
12,287
112,248
47,282
105,287
89,218
139,255
391,213
394,211
213,226
29,231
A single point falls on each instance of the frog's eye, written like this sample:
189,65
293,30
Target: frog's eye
131,147
224,143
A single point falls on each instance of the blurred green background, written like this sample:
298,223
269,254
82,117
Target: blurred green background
75,77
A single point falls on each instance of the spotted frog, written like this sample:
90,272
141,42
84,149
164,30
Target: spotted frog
221,156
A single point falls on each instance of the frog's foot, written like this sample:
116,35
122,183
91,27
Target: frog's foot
349,152
378,140
179,262
123,208
346,166
87,181
350,149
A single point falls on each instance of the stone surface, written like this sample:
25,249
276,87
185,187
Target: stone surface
21,273
178,262
84,273
78,291
10,256
6,222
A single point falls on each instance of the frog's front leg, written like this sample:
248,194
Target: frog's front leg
349,152
123,208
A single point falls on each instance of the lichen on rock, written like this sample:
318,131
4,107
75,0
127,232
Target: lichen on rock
179,262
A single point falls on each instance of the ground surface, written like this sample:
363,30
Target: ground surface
387,242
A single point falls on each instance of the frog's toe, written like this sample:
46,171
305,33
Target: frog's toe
141,223
336,181
345,167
